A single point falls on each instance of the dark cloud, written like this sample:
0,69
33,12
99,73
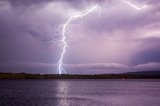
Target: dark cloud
144,56
27,3
29,67
21,38
121,34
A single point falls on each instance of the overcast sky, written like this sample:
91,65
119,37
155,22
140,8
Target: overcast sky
119,38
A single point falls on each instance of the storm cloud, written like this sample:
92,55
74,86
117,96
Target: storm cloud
121,37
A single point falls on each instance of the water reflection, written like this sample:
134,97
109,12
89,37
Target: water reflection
63,92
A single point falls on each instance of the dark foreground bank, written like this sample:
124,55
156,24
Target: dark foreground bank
130,75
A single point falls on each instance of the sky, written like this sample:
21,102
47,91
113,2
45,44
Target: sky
123,37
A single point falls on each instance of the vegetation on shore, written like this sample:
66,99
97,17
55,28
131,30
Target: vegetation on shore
130,75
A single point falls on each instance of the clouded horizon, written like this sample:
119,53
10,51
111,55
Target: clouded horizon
118,39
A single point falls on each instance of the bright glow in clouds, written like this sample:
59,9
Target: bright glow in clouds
81,15
63,39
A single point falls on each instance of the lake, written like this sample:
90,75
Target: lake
80,92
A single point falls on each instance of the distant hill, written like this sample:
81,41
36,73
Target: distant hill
128,75
143,73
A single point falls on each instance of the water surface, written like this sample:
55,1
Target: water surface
80,92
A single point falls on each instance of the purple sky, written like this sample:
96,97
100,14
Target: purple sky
120,39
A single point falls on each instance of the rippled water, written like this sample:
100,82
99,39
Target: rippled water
80,92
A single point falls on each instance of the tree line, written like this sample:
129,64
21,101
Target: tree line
134,75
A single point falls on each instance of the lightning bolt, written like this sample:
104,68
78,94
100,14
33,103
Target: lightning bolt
63,38
133,5
81,15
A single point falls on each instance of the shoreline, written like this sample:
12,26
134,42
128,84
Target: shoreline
123,76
